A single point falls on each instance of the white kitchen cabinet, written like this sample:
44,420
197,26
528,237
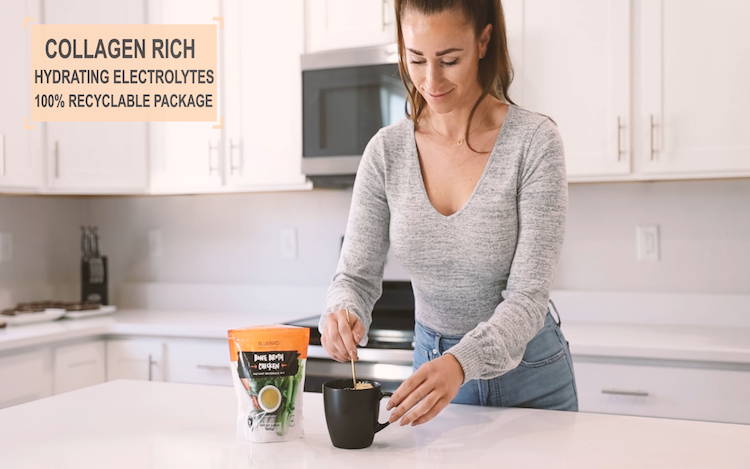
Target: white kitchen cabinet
258,145
575,68
334,24
186,156
79,365
198,361
696,98
20,159
95,157
135,359
268,143
697,392
25,376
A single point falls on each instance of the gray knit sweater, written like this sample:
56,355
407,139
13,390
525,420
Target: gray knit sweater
483,272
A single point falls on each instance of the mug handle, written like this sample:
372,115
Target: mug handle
379,425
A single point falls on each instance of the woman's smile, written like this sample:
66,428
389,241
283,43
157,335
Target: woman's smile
440,95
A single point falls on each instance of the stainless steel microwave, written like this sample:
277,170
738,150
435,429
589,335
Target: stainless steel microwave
347,96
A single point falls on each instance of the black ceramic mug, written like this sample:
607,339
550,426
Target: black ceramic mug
352,415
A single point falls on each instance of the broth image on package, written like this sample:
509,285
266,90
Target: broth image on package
268,372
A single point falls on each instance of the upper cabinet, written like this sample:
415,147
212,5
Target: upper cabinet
575,68
186,156
696,67
640,90
256,143
265,149
336,24
684,115
21,166
95,157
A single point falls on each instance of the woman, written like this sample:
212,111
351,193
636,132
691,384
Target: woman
470,192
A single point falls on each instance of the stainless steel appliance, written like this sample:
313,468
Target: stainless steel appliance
387,358
347,95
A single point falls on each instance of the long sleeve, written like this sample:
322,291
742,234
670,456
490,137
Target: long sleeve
497,345
357,282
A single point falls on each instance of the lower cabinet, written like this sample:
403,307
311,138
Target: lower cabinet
135,359
694,391
25,376
651,388
198,361
194,361
79,365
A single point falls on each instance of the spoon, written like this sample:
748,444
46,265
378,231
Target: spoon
351,357
356,385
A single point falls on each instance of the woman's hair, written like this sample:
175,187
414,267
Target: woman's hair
495,69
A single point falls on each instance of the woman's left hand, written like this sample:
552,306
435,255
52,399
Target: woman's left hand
427,391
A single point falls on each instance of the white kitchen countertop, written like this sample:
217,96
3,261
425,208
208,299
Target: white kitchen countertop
649,341
138,424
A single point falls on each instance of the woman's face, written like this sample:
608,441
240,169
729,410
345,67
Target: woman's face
442,57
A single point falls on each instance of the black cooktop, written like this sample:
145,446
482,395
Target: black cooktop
392,318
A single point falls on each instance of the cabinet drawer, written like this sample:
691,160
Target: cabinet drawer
199,362
79,365
25,377
664,391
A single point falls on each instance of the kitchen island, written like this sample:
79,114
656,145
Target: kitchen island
136,424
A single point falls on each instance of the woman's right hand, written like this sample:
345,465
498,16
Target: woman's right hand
342,333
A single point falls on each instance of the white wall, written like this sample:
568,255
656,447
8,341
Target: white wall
704,228
45,260
234,238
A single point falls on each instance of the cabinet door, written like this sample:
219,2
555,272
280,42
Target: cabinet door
696,71
25,376
335,24
95,157
575,69
80,365
135,359
271,103
199,362
20,162
663,390
185,156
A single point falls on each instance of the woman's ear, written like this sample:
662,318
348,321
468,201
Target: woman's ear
484,40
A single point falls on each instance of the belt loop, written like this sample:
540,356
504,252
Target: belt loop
559,320
436,346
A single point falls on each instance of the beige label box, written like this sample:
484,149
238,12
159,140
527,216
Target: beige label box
121,72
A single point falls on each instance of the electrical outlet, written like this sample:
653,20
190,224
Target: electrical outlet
647,243
289,243
6,247
155,243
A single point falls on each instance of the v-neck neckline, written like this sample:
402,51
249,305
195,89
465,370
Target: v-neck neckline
488,163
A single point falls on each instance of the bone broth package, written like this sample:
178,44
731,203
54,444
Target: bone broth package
268,371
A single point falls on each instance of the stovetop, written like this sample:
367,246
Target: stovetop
385,332
392,319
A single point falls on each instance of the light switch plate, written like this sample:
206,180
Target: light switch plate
647,243
6,247
289,243
155,243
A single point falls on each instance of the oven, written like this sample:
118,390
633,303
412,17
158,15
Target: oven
388,356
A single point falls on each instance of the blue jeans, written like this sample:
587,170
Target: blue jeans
543,380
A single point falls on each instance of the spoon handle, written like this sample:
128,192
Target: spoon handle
351,357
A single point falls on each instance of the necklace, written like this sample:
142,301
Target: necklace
459,142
